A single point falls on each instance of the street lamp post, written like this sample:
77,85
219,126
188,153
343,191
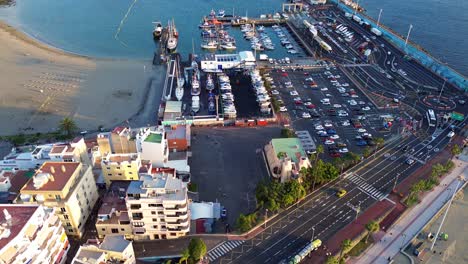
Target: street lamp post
378,20
441,90
460,180
396,181
313,233
407,36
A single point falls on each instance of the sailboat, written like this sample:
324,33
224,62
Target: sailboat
157,32
172,40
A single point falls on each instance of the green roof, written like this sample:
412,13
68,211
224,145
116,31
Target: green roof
154,138
291,146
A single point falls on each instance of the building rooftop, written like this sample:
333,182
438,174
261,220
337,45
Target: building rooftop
86,256
178,132
56,149
154,138
122,157
291,146
116,243
20,215
53,176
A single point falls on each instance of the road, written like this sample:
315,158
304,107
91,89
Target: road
322,214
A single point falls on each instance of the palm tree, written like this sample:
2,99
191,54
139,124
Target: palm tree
456,150
67,125
319,151
372,227
345,246
185,256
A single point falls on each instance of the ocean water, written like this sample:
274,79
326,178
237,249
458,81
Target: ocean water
89,27
440,26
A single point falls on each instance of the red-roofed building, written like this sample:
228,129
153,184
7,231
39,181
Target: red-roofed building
67,187
178,137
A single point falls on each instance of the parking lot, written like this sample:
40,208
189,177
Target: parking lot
228,165
326,104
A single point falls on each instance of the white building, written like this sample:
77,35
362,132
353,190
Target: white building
219,62
152,144
67,187
157,205
31,234
114,249
30,157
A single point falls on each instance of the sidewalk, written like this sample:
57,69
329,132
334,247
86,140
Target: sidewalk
407,227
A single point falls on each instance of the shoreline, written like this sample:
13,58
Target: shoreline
31,40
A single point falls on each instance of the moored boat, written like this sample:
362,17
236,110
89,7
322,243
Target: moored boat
157,31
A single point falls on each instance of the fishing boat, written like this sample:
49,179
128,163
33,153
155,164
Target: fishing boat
261,29
212,44
228,46
195,86
172,39
209,83
212,13
195,104
157,31
179,92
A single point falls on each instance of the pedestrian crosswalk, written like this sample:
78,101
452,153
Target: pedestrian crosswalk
365,187
223,248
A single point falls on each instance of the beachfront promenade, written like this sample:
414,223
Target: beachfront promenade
403,231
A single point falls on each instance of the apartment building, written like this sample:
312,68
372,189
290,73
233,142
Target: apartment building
31,157
113,249
67,187
157,206
178,137
120,167
31,234
75,151
112,216
119,140
152,144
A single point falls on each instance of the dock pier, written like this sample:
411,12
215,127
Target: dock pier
161,51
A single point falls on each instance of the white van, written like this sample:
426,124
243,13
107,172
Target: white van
450,134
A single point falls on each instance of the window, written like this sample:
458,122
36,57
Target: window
70,230
120,174
135,206
63,209
68,224
122,229
129,166
109,174
153,212
118,168
155,219
79,225
77,196
108,168
103,229
58,198
115,230
65,217
152,205
130,172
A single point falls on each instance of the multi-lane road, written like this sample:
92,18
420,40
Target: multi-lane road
322,213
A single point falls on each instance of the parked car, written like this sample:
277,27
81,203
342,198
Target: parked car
361,143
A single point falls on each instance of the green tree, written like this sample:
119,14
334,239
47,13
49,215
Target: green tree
438,170
197,248
67,125
185,256
372,227
456,150
366,152
243,223
345,246
287,133
378,142
332,260
272,205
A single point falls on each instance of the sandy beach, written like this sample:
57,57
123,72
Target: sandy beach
40,85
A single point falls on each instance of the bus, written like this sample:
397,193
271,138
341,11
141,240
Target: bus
431,118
